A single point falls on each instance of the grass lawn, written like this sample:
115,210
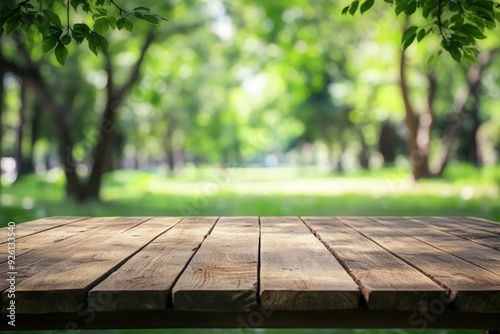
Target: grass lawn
463,191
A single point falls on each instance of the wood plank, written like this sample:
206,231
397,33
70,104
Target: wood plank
51,237
297,272
223,273
485,224
41,286
481,256
39,225
145,281
474,222
387,283
472,288
470,233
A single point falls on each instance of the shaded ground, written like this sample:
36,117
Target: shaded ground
465,191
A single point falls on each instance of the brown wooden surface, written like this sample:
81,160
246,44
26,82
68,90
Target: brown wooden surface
387,282
161,262
454,226
471,287
298,273
57,279
223,273
40,225
144,272
37,241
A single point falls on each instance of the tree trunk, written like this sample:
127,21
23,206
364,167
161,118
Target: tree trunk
2,93
419,128
364,156
108,120
474,75
474,154
387,142
18,151
169,147
35,135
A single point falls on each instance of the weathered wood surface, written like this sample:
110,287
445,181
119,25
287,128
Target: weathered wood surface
471,252
455,227
145,281
58,279
268,265
39,225
471,287
387,282
223,273
298,273
37,241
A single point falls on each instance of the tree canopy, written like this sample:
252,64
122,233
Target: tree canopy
57,23
54,24
458,23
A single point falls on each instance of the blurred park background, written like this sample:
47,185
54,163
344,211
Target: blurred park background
251,108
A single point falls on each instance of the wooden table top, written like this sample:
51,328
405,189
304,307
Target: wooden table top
282,271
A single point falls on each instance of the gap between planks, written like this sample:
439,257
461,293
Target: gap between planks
145,281
478,292
46,290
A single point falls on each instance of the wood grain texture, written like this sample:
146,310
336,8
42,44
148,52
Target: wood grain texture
469,251
387,283
57,280
453,227
471,287
145,281
51,237
297,272
37,226
222,275
476,222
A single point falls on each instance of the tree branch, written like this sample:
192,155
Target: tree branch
134,75
473,81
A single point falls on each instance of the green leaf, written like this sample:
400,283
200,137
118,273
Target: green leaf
354,7
49,42
345,10
80,32
129,25
52,17
33,36
101,26
61,53
473,31
409,36
112,22
97,43
141,8
366,5
12,23
147,17
66,39
400,6
421,34
411,8
431,59
124,23
455,54
120,24
469,58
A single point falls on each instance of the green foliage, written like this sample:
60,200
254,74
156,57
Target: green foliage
458,23
256,191
43,21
